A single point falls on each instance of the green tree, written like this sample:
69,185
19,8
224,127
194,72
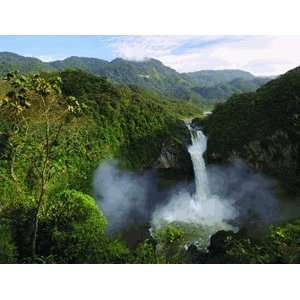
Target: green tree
34,134
72,229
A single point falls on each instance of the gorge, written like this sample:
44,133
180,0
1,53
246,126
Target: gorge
104,172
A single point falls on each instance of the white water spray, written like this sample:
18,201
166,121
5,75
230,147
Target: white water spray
203,207
196,151
222,194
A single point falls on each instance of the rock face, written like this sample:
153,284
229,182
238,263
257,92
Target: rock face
168,157
196,123
174,156
275,155
275,152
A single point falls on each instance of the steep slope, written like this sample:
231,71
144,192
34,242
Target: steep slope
262,128
41,132
128,123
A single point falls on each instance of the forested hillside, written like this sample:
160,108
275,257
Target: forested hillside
54,131
263,128
218,92
202,86
60,120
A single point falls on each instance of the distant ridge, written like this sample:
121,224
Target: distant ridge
204,86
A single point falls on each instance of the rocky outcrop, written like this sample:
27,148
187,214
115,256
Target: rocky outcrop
174,155
196,123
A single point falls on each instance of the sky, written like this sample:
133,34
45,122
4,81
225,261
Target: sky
260,55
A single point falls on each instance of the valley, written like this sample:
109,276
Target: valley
133,162
206,87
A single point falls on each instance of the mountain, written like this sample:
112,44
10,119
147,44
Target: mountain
210,78
151,74
10,61
202,86
91,65
208,85
221,91
262,128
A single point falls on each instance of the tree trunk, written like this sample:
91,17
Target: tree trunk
36,222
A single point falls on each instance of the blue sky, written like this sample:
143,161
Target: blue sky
53,47
261,55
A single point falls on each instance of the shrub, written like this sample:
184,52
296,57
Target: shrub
73,229
8,252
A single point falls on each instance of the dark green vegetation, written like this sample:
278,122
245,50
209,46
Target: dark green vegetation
280,244
56,127
51,142
203,86
262,128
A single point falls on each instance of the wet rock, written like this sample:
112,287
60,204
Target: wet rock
218,242
196,123
174,154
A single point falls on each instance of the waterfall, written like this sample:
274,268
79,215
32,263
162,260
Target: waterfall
196,150
204,208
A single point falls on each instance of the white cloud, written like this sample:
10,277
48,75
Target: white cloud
138,48
261,55
49,57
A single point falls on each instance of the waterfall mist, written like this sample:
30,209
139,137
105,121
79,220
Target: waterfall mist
220,198
125,197
223,195
201,207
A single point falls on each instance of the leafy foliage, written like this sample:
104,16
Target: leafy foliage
263,128
72,229
281,245
55,128
52,141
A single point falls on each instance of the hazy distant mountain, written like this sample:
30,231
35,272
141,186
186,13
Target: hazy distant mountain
212,77
209,85
221,91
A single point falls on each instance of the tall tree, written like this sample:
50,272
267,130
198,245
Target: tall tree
34,134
